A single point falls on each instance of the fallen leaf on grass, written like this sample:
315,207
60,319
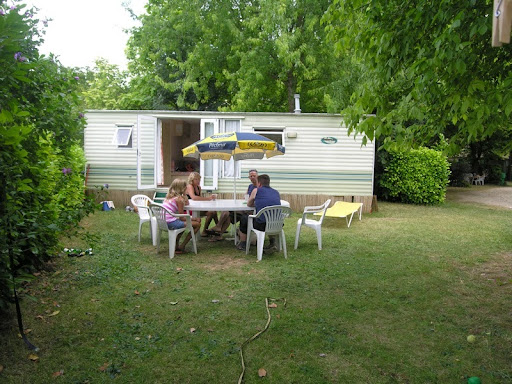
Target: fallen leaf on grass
55,313
27,331
179,269
1,368
273,305
136,292
192,330
103,367
262,372
58,373
174,302
215,301
41,317
322,355
33,357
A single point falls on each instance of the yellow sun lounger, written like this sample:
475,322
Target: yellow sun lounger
344,209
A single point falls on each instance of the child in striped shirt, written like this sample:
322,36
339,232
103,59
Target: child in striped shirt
175,200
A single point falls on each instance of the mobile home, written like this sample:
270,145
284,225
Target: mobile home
140,152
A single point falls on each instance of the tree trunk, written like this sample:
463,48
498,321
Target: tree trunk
509,168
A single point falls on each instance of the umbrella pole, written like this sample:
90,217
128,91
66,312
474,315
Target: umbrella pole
234,179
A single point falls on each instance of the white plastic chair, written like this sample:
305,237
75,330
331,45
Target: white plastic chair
479,179
311,223
142,203
160,212
274,217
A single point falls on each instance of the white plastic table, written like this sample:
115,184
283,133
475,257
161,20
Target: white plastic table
220,205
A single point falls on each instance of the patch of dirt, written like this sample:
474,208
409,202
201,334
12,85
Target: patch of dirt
498,270
227,262
482,194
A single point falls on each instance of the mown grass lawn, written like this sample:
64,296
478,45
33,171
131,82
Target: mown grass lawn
391,299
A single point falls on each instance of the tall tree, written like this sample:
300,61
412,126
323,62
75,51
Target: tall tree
283,51
158,52
107,87
432,67
235,55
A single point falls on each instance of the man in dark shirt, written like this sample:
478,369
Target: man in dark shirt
253,176
261,197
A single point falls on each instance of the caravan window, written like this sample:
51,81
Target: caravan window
123,136
274,133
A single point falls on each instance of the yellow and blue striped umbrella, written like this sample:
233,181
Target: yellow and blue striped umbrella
236,145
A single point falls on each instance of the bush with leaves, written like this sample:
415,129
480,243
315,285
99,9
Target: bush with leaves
41,160
418,176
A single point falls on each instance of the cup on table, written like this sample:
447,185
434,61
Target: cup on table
246,197
214,196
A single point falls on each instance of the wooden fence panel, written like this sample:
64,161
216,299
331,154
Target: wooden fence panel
121,199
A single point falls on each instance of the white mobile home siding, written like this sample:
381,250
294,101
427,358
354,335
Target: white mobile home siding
308,167
109,164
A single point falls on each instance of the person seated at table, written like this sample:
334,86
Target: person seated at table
227,218
261,197
174,201
194,193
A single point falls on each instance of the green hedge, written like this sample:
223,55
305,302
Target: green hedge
417,176
41,158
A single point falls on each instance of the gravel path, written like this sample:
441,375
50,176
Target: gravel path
482,194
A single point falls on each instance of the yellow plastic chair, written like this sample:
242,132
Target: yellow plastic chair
344,209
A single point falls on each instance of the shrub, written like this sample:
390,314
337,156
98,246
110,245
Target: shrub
418,176
41,160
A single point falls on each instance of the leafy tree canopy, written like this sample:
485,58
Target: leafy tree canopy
432,70
235,55
107,87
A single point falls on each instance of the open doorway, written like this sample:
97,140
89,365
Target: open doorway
175,135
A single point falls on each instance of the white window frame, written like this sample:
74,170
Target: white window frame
215,163
268,130
128,143
226,165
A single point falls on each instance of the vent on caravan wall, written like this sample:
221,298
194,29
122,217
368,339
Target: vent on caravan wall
297,103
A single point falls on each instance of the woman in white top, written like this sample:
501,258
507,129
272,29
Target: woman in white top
194,193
